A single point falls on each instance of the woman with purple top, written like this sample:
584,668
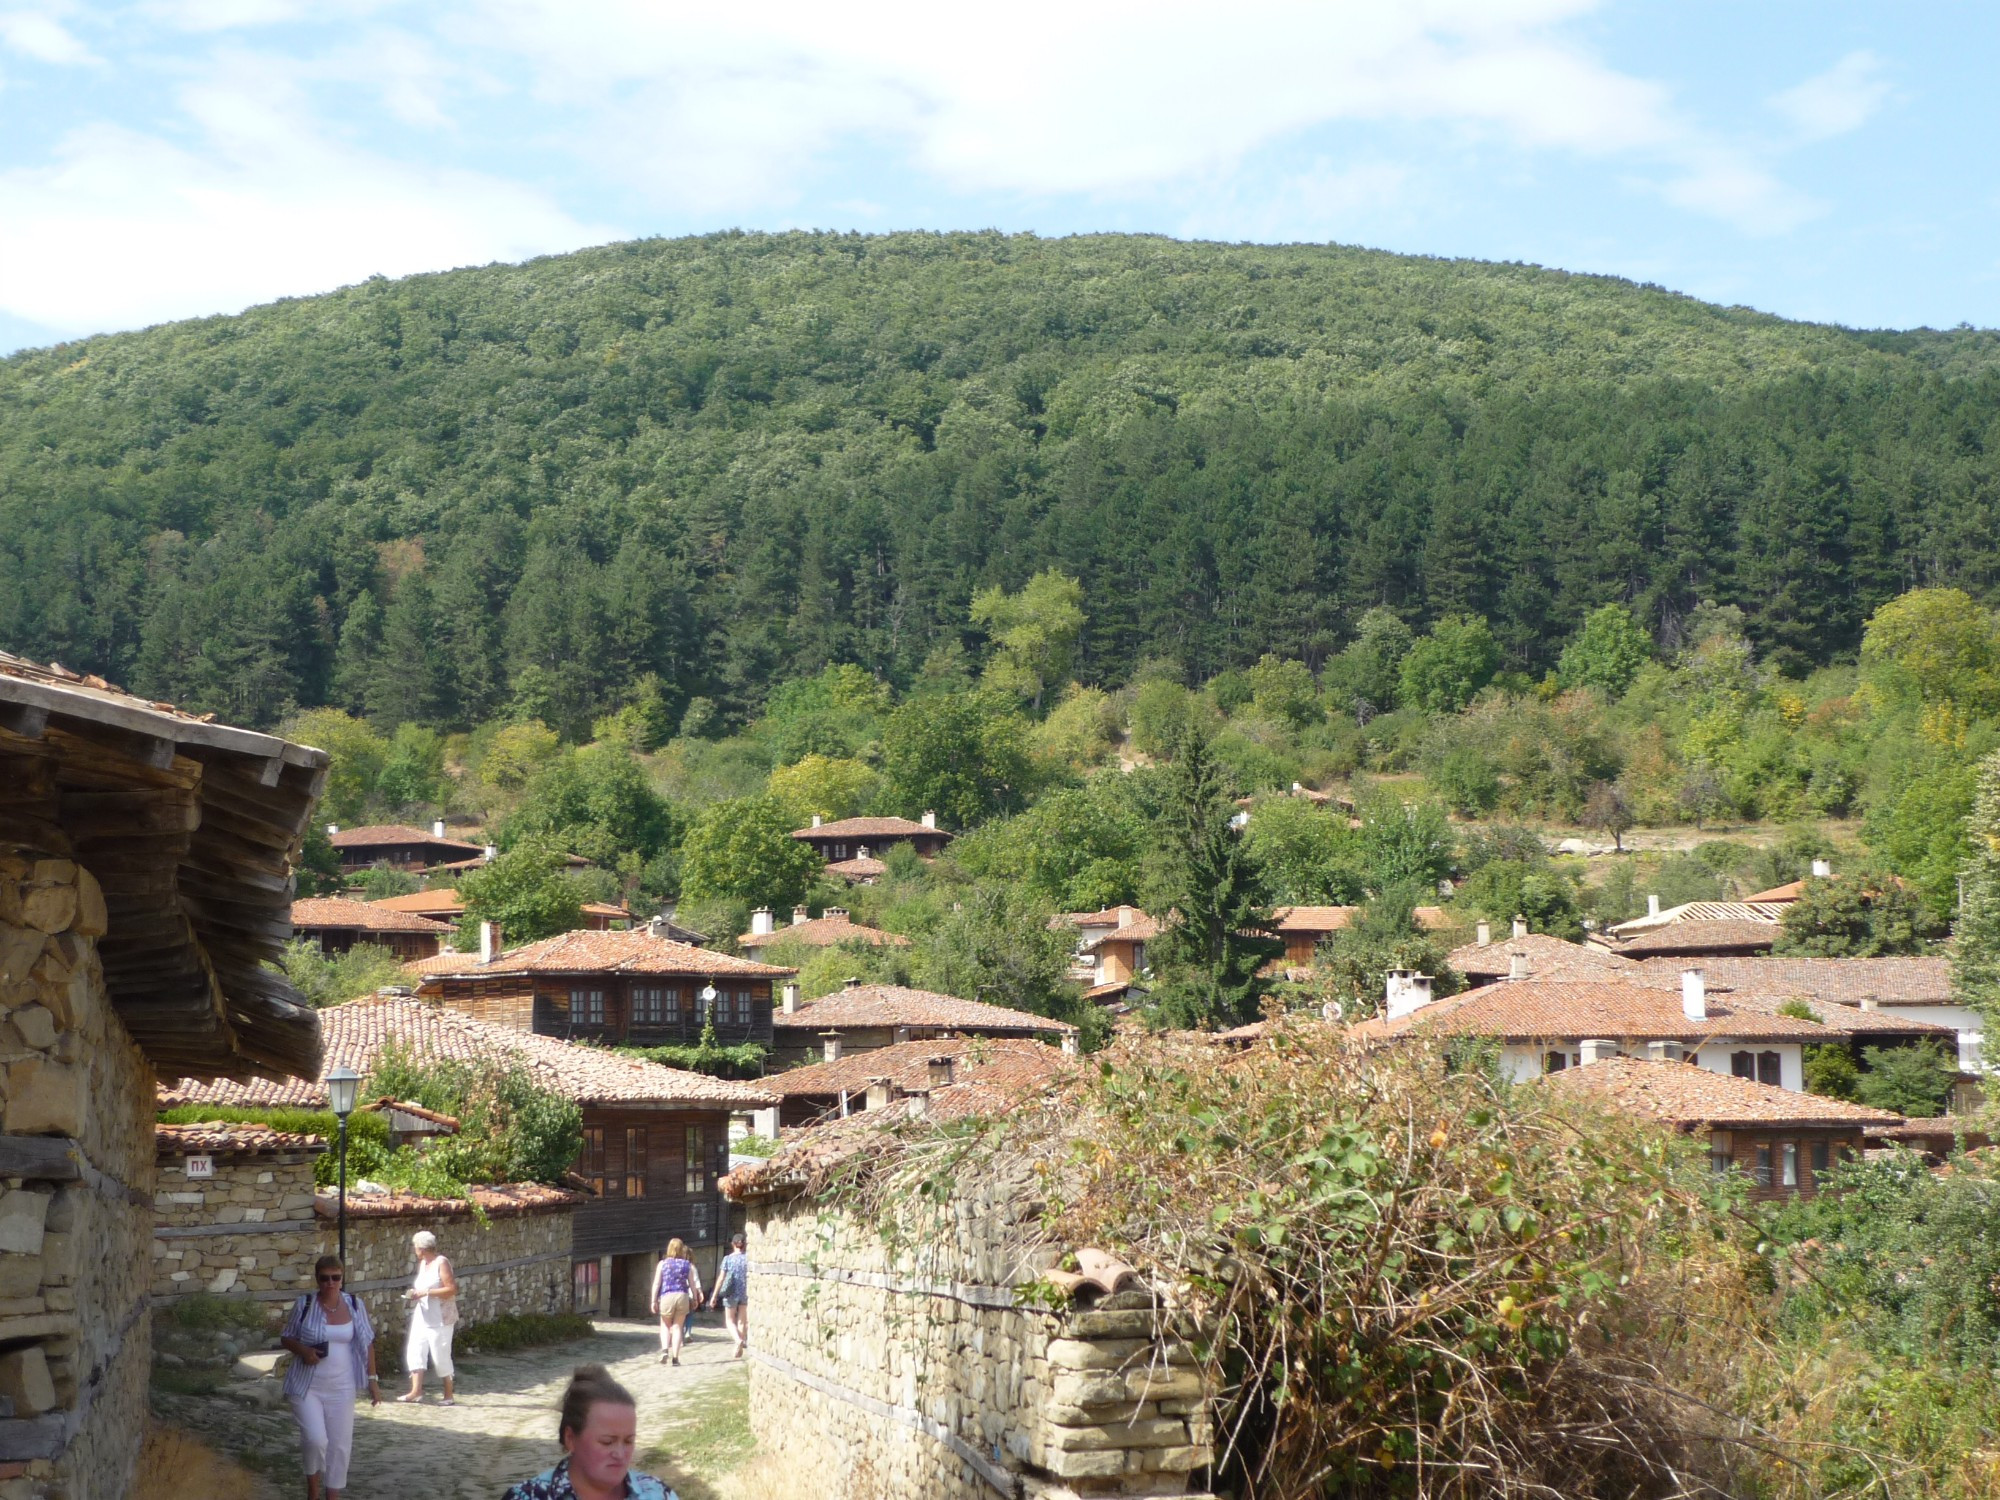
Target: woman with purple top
333,1354
676,1293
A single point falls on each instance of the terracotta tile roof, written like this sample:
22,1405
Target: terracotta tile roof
607,909
446,962
858,868
389,834
1099,993
312,912
1312,918
1433,918
635,951
403,1106
502,1200
829,931
1842,1020
1788,892
997,1061
231,1140
356,1033
893,1005
1111,916
1841,981
443,902
1141,929
1529,1010
1682,1094
863,828
1548,958
1696,936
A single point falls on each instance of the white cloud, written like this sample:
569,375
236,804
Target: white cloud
1843,98
37,34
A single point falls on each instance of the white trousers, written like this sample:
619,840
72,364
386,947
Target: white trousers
427,1345
326,1429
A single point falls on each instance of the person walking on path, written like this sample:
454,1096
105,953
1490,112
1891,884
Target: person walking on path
433,1315
676,1293
598,1430
333,1352
732,1293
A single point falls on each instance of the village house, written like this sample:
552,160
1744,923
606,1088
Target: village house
845,838
337,924
444,904
869,1079
611,987
1537,955
399,846
1784,1141
831,929
656,1140
145,886
1696,929
864,1017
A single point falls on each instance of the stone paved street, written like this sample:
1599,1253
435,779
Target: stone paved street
501,1430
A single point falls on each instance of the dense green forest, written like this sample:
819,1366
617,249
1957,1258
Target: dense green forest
726,462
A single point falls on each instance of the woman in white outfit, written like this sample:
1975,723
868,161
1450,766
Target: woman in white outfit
333,1351
433,1315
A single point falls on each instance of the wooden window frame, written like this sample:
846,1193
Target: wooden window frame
1788,1164
586,1286
590,1165
1771,1069
694,1168
587,1007
635,1161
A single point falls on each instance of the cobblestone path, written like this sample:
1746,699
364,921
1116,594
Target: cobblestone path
501,1430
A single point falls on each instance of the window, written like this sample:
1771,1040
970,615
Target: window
590,1166
700,1223
635,1161
1788,1159
1820,1162
1554,1062
653,1005
840,851
1743,1065
697,1162
584,1287
1721,1151
1769,1069
1763,1166
586,1007
742,1007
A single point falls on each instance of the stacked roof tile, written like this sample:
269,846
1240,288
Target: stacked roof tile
231,1140
828,931
1839,981
635,951
868,828
1529,1010
1685,1095
376,835
892,1005
997,1061
1547,957
314,912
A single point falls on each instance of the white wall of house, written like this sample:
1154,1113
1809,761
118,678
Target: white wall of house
1522,1062
1967,1022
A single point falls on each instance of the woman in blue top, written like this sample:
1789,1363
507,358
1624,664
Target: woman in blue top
333,1351
598,1432
732,1292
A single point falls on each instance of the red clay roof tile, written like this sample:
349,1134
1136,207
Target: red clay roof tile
879,1005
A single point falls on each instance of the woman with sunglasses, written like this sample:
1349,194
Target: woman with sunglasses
333,1349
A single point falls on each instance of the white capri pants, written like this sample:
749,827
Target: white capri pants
427,1345
326,1431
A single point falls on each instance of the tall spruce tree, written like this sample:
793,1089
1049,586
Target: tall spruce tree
1975,963
1209,897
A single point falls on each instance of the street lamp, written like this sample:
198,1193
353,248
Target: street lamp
341,1084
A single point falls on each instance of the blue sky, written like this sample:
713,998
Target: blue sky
166,158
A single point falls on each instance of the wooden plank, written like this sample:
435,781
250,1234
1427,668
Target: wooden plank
24,719
24,1439
40,1158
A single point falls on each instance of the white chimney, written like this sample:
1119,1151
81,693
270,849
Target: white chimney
939,1072
1597,1049
1659,1052
1485,931
860,851
1822,869
1296,789
1869,1002
332,829
1517,966
1420,991
815,820
1652,906
791,993
1520,927
437,828
1694,995
489,941
930,820
836,912
760,922
1069,1044
801,915
1406,993
829,1042
878,1093
491,853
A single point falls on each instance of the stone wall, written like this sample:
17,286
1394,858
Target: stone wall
75,1196
916,1375
249,1228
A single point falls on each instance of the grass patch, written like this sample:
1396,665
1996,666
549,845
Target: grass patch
705,1439
189,1381
210,1313
521,1331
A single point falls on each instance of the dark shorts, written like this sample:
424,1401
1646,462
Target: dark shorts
734,1299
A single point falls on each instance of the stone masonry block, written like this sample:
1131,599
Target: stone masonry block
23,1222
24,1379
44,1098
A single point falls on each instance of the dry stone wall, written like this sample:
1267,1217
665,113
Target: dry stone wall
516,1262
249,1228
896,1371
75,1198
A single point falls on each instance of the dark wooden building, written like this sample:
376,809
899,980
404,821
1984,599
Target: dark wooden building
338,924
851,838
399,846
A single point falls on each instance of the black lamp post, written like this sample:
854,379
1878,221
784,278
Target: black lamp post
341,1084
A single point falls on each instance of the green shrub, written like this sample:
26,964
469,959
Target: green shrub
521,1331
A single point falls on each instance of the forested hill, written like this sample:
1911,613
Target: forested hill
730,460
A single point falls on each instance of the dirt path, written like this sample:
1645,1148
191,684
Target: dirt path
502,1429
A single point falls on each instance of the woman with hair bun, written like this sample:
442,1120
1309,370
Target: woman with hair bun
598,1432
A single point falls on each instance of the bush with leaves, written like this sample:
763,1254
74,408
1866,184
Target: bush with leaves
1864,914
1351,968
524,891
511,1129
334,980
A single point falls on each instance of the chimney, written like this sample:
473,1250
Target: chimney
1694,995
829,1043
1407,992
838,913
1869,1002
1485,931
860,851
1419,991
1520,926
332,829
1597,1049
489,941
1652,906
760,922
801,915
437,828
1517,966
490,853
1822,869
1069,1044
1661,1052
1296,789
815,820
851,984
791,993
879,1093
930,820
939,1072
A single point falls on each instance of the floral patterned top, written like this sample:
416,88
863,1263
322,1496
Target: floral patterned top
554,1485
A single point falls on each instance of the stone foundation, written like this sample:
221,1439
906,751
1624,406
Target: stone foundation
76,1180
917,1374
249,1228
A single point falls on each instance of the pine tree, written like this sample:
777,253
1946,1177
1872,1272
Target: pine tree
1975,964
354,662
1210,899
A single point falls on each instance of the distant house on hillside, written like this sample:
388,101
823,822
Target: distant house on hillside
829,930
1537,955
399,846
1696,929
863,1017
337,925
864,1079
846,838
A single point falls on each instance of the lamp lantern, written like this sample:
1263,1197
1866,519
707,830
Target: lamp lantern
341,1085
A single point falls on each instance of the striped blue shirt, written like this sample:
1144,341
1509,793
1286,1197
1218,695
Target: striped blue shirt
307,1324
